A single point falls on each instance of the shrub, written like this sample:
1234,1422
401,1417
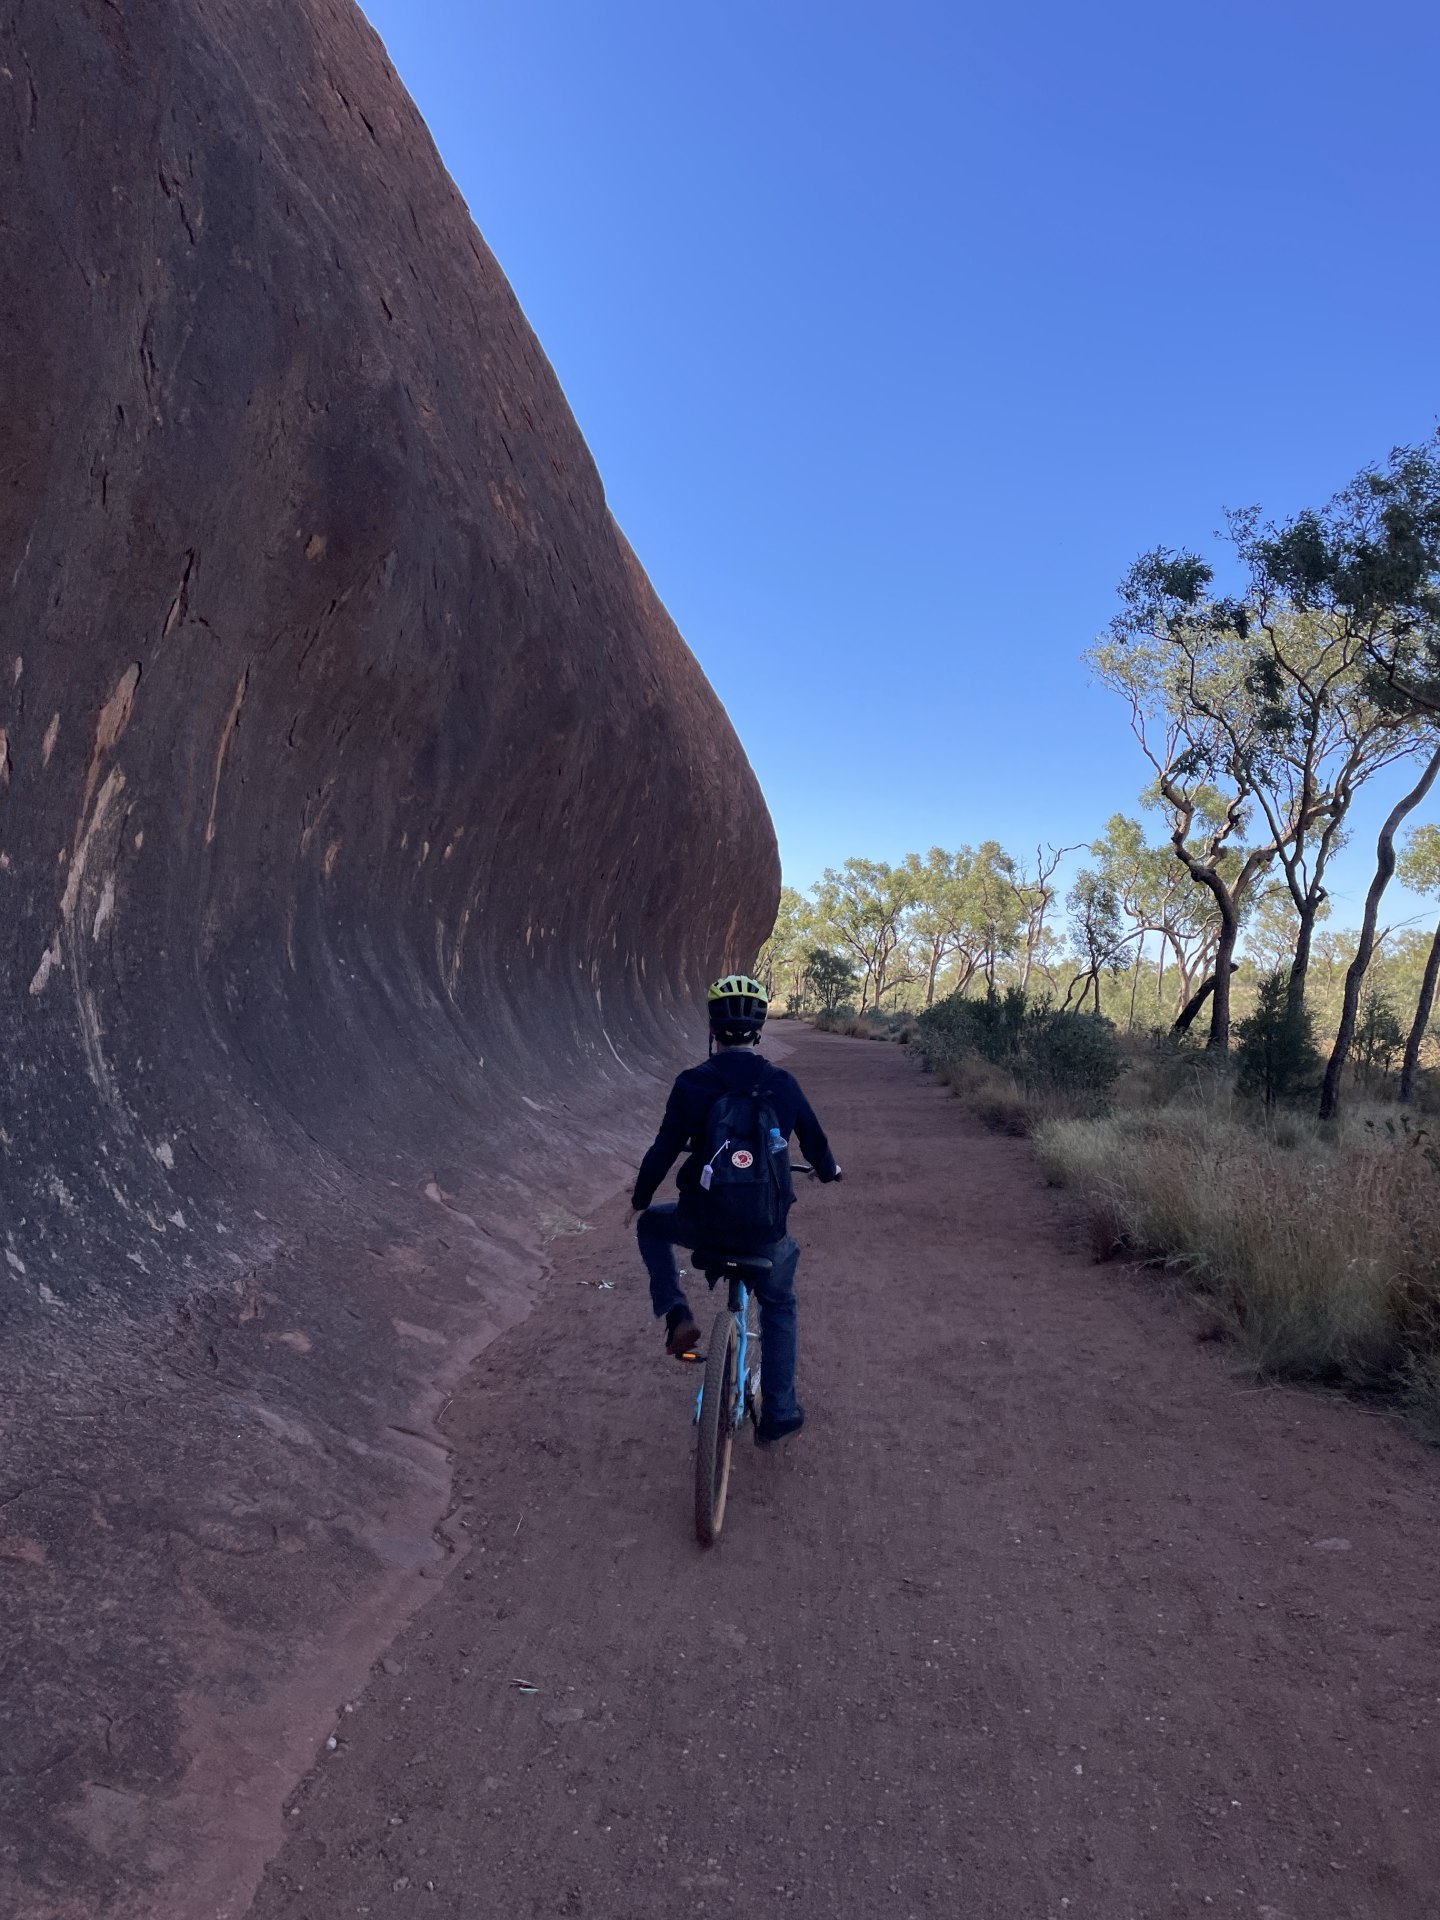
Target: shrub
989,1027
1044,1050
1276,1054
1378,1034
1072,1052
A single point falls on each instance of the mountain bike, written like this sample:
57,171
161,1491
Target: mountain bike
731,1389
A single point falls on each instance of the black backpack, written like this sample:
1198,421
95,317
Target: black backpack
745,1187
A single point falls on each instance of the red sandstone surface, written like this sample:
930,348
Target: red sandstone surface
365,829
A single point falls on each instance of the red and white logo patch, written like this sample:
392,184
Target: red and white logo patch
742,1158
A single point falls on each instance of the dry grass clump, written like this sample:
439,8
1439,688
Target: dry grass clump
869,1026
1002,1101
1319,1254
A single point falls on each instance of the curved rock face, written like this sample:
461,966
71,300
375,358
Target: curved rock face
365,830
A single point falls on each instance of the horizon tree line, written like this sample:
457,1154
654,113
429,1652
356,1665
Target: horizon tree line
1262,713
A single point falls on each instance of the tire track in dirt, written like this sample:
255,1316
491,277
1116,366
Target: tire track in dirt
1043,1615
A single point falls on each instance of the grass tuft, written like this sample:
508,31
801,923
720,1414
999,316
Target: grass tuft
1317,1251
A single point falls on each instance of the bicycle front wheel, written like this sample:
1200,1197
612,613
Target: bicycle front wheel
717,1431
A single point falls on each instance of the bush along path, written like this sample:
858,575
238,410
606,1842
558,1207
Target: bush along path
1044,1614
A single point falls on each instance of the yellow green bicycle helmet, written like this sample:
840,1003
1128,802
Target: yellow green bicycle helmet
738,1005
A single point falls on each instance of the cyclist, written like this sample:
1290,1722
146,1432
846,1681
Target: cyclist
737,1007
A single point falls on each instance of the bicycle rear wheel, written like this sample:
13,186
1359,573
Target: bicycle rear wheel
717,1431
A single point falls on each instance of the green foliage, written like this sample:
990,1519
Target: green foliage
990,1027
1096,928
831,976
1419,862
1378,1033
781,961
1046,1048
1276,1054
1070,1052
863,907
1368,561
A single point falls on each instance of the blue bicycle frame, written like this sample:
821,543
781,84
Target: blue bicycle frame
739,1306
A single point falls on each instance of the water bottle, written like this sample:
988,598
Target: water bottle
777,1140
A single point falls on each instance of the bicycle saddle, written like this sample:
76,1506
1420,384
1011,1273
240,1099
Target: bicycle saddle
707,1257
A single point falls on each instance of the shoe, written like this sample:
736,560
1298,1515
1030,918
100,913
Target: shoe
769,1433
682,1336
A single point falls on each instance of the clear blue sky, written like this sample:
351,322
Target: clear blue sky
897,332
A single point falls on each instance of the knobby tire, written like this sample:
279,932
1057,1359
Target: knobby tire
717,1432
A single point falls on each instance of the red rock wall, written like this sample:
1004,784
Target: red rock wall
366,829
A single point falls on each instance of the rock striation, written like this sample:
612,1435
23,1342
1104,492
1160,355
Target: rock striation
365,831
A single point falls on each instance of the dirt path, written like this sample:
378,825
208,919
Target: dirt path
1044,1615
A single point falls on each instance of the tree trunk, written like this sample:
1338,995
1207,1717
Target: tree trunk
1355,972
1188,1014
1420,1023
934,969
1300,965
1218,1040
1135,985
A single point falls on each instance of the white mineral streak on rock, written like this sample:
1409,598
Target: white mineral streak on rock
49,960
114,786
47,745
106,906
165,1154
227,734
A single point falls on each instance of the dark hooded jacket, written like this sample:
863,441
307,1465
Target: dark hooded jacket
688,1108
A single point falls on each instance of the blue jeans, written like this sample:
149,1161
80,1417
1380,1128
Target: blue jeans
661,1229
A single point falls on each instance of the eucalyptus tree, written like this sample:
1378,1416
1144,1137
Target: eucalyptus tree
965,911
863,907
995,912
780,964
1419,868
1369,562
937,919
1365,946
1179,660
1098,930
1271,930
1271,707
1324,729
1158,897
1035,893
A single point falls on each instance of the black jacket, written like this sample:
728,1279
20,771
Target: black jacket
691,1098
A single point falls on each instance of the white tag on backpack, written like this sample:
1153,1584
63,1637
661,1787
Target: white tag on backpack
707,1174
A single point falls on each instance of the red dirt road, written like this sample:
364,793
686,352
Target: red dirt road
1044,1616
